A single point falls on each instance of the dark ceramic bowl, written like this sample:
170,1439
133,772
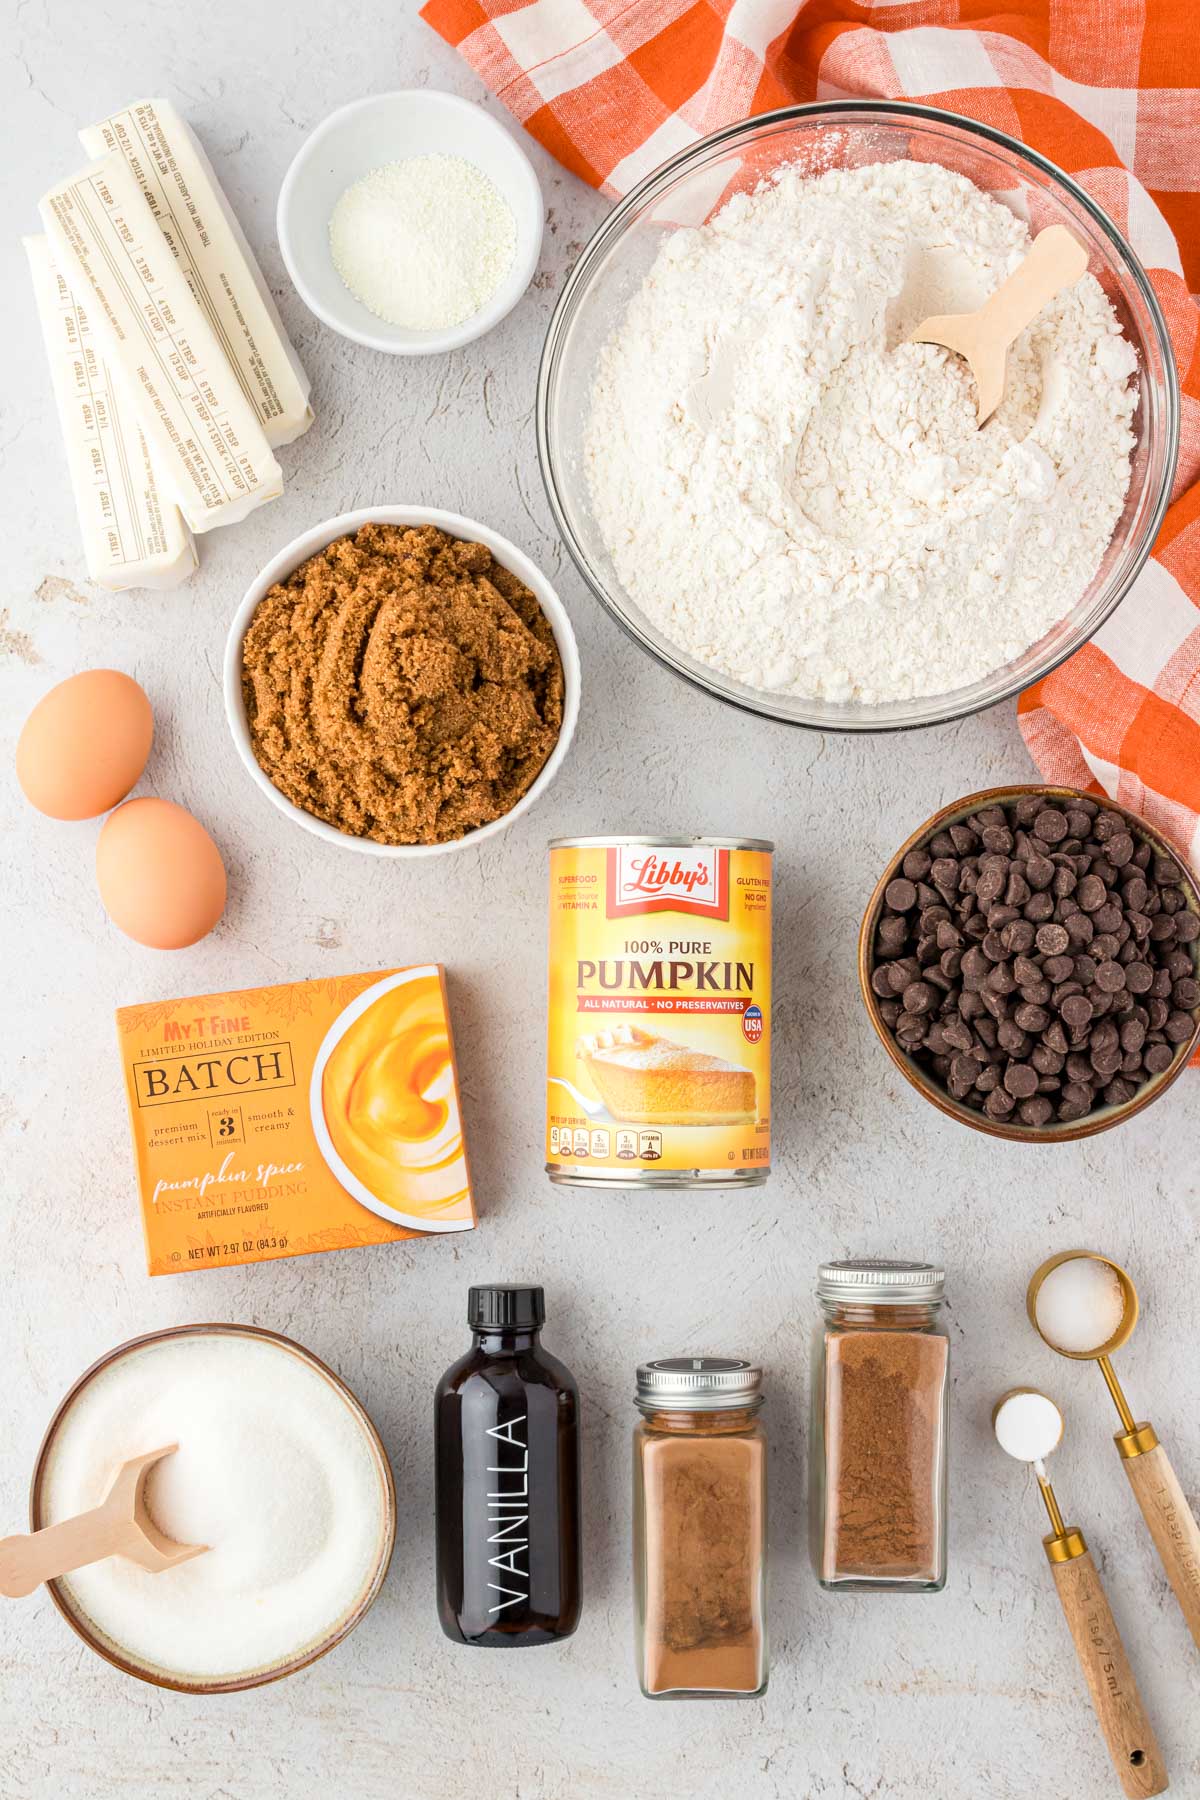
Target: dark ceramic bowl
924,1080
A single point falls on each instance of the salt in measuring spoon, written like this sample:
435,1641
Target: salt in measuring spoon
1065,1302
120,1526
1029,1426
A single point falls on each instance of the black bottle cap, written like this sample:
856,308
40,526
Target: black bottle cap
502,1306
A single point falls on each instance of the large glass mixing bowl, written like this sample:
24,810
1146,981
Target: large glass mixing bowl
687,190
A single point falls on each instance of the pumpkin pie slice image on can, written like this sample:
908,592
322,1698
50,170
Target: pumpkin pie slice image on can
659,1043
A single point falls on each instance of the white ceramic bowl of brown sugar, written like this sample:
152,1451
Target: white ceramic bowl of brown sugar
307,545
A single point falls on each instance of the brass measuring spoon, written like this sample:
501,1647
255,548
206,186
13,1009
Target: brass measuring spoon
1029,1426
1154,1482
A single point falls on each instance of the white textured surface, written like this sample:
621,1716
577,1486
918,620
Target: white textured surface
969,1694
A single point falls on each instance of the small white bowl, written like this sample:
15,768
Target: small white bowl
306,545
387,128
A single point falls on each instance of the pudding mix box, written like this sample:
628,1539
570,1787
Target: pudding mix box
278,1121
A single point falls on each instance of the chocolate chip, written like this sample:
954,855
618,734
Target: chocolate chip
1091,893
1119,1090
1037,1111
900,895
1187,927
1158,1058
919,998
1186,993
1051,825
1052,940
1110,978
1179,1027
1077,1011
1021,1078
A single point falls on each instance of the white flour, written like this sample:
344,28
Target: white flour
794,495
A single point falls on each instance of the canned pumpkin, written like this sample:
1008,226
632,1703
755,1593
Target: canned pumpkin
659,1054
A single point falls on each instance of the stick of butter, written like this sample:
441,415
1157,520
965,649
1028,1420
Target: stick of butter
210,247
203,434
133,535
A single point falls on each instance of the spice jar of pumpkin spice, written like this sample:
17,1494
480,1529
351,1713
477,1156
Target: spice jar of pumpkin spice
700,1529
877,1479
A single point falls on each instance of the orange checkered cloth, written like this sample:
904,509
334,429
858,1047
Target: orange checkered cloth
1107,89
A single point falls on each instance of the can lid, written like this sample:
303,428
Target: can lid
505,1306
881,1281
698,1383
683,842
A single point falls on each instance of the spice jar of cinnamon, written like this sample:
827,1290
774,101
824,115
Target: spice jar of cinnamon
877,1481
700,1529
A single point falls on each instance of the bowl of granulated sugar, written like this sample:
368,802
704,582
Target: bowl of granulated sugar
277,1471
411,222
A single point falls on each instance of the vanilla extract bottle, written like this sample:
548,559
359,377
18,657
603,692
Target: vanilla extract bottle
507,1476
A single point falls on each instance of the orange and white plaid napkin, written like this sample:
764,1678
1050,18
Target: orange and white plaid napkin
1107,89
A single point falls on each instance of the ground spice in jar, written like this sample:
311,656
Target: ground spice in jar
402,685
700,1534
883,1423
880,1426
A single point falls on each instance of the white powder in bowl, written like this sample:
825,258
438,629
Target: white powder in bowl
423,243
794,495
1080,1305
274,1472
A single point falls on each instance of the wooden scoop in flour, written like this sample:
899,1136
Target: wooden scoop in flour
119,1526
982,338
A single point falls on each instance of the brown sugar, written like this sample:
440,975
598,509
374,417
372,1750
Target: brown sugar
704,1554
883,1446
401,685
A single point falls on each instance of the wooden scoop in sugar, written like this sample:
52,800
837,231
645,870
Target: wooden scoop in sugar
120,1526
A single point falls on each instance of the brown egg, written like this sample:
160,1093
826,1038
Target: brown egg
160,875
85,744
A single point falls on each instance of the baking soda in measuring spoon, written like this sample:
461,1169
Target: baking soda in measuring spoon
423,243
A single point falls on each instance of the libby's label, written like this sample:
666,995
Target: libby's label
644,880
660,1008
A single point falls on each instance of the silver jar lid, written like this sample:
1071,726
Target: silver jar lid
881,1282
698,1383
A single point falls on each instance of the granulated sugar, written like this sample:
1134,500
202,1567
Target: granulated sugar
273,1472
796,496
424,242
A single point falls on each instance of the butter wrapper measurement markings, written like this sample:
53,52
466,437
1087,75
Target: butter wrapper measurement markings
203,234
204,436
133,533
659,1042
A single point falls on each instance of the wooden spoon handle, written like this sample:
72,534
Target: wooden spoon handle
1056,261
27,1561
1115,1698
1172,1526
